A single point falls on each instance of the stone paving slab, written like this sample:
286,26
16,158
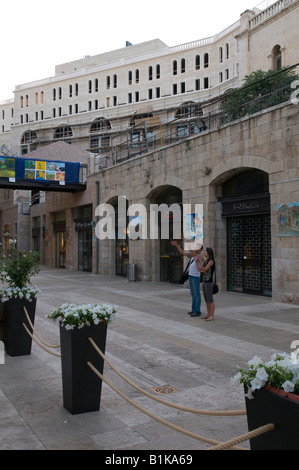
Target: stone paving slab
153,342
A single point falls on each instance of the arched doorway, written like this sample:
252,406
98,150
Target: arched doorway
246,206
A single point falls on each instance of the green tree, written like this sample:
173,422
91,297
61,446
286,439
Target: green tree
261,90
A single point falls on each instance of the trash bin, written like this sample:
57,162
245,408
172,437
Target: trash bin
132,272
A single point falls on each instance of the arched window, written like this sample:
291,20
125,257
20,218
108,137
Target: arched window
197,62
150,72
28,142
107,82
158,71
220,54
100,125
137,76
227,50
206,60
96,85
63,132
28,137
277,59
99,143
183,65
188,110
174,67
130,77
114,81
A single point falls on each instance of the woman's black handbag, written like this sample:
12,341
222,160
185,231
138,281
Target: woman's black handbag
215,287
185,274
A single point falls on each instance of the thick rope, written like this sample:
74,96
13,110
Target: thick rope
164,402
40,345
249,435
34,331
151,415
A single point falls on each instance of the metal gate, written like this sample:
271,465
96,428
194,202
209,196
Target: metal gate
249,254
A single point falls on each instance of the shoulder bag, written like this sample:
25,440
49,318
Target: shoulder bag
185,274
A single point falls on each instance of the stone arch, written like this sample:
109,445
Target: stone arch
216,217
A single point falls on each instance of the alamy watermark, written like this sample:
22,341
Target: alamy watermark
139,222
295,86
2,356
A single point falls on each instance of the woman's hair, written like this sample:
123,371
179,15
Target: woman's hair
210,252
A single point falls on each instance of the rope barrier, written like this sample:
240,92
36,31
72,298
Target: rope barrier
40,345
249,435
231,444
164,402
151,415
32,327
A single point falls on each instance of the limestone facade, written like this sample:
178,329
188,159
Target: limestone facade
90,101
93,102
267,142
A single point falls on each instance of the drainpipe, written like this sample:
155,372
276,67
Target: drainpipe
97,220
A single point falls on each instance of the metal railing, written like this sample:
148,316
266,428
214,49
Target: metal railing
141,139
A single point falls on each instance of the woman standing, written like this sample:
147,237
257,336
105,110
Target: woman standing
207,269
194,279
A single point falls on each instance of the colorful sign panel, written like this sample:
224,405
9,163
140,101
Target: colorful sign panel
7,167
44,170
194,226
288,219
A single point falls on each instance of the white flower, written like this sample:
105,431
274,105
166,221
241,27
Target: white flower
261,374
288,386
256,361
236,378
256,384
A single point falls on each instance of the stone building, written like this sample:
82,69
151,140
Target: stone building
150,116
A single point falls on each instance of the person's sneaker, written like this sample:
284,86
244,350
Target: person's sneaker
190,313
195,314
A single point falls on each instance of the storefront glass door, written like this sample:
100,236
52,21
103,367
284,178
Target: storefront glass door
85,250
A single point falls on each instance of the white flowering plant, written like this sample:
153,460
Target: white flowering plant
280,372
28,293
77,316
17,267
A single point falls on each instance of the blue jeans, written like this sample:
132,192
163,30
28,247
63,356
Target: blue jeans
194,285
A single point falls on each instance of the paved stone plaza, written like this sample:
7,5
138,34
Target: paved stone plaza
154,343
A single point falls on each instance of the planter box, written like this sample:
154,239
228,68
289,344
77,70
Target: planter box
81,386
16,339
269,406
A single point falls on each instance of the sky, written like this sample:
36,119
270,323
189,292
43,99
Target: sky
38,35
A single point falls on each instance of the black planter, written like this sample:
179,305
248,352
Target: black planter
269,407
81,386
16,339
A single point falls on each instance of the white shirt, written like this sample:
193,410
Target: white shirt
193,269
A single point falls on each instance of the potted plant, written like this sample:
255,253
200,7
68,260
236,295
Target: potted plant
272,397
16,270
81,387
